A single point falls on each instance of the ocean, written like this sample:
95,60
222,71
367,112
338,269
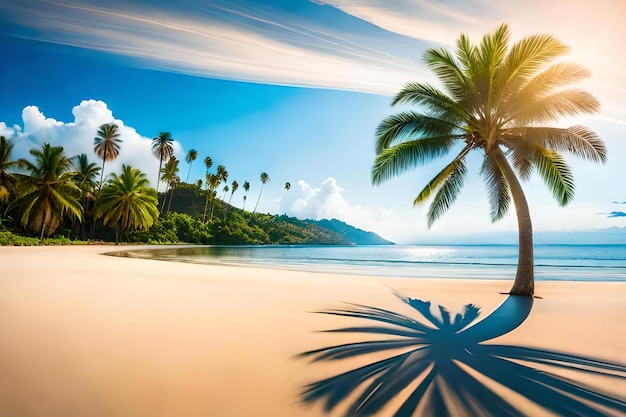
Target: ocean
552,262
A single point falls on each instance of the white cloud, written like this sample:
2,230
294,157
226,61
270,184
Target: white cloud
77,137
328,202
319,203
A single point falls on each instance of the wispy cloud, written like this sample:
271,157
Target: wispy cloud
371,45
421,19
232,40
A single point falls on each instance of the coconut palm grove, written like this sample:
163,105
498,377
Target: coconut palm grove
55,198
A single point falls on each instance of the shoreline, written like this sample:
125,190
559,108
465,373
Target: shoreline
384,269
84,334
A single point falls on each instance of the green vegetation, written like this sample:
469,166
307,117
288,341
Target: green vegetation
127,203
60,196
496,99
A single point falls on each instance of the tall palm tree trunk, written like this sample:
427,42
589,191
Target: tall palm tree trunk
206,204
44,223
159,174
164,199
104,159
258,199
212,207
524,283
169,204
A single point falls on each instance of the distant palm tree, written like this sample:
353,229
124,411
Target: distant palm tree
495,99
213,180
225,191
246,188
222,173
264,180
287,186
208,163
127,202
191,156
7,180
85,178
107,145
234,186
169,175
49,193
163,149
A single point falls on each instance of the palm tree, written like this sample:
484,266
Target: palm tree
191,156
246,188
222,173
287,186
234,187
213,181
107,145
163,149
264,180
127,202
495,99
85,178
85,174
7,180
49,193
208,163
169,175
225,189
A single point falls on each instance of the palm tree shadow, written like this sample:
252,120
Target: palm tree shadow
440,358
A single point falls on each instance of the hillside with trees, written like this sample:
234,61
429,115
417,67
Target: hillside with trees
53,197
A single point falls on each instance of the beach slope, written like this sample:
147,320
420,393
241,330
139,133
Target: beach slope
82,334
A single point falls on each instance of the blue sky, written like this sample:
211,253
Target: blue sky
294,88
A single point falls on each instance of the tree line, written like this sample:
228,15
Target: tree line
51,190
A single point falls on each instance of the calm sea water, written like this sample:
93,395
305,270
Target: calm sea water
552,262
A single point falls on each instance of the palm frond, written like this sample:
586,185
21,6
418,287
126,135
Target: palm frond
522,153
550,108
442,63
65,202
449,182
556,175
410,126
497,189
554,76
491,53
493,48
525,58
431,100
399,158
465,54
577,140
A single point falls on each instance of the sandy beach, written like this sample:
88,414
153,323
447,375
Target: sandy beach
82,334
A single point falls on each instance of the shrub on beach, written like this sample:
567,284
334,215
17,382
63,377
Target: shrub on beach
9,239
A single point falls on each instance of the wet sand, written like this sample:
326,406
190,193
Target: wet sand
82,334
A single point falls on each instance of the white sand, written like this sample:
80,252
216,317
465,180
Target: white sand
86,335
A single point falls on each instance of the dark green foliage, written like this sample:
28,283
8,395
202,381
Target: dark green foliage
236,226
